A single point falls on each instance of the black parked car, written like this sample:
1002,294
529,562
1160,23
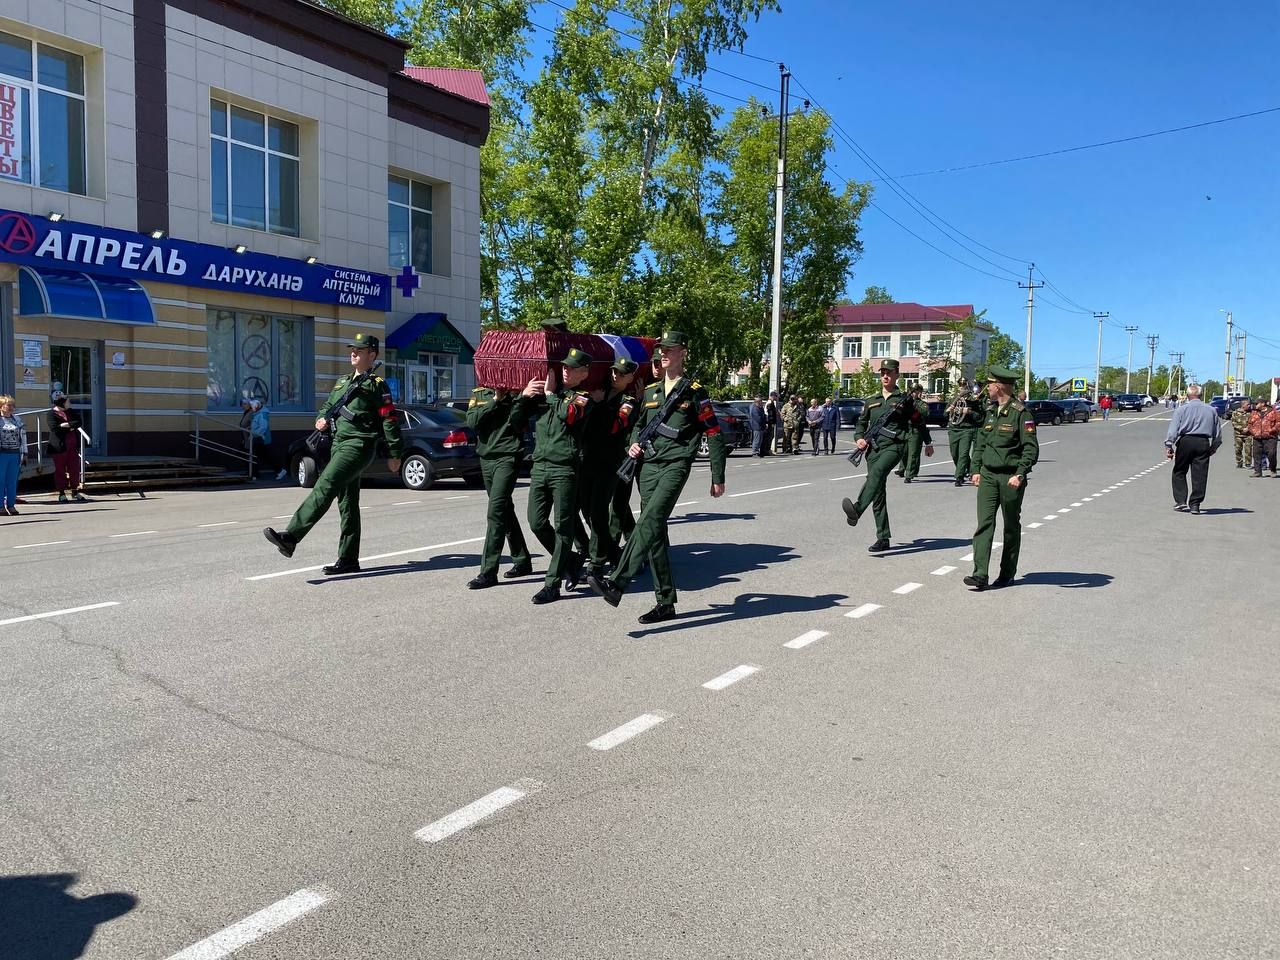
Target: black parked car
438,445
734,427
937,415
1076,409
1046,411
849,410
1130,401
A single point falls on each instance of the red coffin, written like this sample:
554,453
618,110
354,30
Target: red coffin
509,359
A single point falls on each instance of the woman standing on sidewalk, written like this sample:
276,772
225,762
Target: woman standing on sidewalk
13,454
64,444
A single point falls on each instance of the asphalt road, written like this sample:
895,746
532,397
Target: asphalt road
218,748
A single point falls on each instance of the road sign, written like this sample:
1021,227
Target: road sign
1079,385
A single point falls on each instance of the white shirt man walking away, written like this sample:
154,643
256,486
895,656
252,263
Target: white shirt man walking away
1194,436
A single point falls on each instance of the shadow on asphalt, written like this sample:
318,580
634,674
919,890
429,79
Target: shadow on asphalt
40,920
746,606
706,517
1220,511
923,545
1063,578
698,566
445,561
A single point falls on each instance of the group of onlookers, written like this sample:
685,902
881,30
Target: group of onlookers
781,429
63,441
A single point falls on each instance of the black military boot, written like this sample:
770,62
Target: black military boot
283,542
878,547
978,583
548,594
341,567
482,581
850,511
519,571
663,611
605,587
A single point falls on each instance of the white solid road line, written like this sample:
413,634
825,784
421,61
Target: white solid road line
47,543
59,613
476,811
283,516
140,533
907,588
376,556
1127,420
805,639
943,571
731,677
462,497
632,728
857,613
222,523
789,486
258,925
405,503
686,503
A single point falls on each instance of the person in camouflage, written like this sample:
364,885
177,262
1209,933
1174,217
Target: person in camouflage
792,415
1240,429
1264,428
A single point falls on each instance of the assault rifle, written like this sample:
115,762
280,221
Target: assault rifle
657,426
887,427
318,442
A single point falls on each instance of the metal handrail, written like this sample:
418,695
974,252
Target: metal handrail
215,446
41,442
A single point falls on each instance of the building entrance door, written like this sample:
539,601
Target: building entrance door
75,368
429,380
418,384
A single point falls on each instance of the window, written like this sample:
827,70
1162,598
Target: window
846,383
258,356
941,386
880,346
409,223
255,159
852,348
939,346
42,115
909,380
910,346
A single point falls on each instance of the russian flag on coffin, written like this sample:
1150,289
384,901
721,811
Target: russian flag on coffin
509,359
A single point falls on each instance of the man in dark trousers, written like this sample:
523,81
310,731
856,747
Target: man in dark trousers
1004,452
759,421
366,415
664,467
964,416
499,436
1194,436
773,422
901,416
909,464
607,433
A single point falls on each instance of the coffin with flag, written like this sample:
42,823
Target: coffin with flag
509,359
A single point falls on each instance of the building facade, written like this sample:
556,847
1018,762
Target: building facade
919,337
202,201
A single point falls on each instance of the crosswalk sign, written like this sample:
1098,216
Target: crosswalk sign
1079,385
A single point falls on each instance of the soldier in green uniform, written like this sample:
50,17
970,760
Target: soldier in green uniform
964,416
1005,452
905,415
367,416
607,434
1240,430
664,468
909,462
492,414
557,455
622,521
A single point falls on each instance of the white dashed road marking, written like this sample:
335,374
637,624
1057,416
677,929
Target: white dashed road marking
1077,504
1033,526
731,677
966,558
258,925
789,486
805,639
942,571
140,533
632,728
857,613
405,503
222,523
686,503
462,497
47,543
907,588
1065,510
1052,516
476,811
59,613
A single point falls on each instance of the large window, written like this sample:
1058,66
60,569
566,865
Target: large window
853,348
911,346
409,223
255,159
939,346
42,107
259,356
880,346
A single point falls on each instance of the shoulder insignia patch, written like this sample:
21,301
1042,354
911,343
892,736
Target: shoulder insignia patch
580,399
1017,405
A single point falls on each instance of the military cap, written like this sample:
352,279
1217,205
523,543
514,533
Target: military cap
362,340
891,365
674,338
576,358
625,365
1002,375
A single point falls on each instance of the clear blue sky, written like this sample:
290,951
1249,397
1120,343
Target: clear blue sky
1125,228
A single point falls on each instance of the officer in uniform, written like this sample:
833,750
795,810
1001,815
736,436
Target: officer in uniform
367,416
664,468
1005,451
557,456
499,435
1240,430
608,430
892,403
964,416
909,462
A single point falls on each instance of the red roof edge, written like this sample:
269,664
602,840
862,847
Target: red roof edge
465,84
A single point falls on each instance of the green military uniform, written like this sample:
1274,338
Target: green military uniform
885,454
1243,442
499,435
662,475
1006,447
963,422
553,480
917,436
367,417
608,435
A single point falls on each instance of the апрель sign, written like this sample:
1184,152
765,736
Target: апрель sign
39,242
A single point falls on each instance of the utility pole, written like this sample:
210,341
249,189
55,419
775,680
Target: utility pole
775,337
1030,286
1244,337
1151,342
1226,370
1097,366
1127,371
1175,360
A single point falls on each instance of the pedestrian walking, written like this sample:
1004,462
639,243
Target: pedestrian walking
813,420
891,416
773,423
1264,428
606,440
1240,434
358,412
1193,437
1004,453
681,414
499,428
1105,404
557,457
759,421
830,424
964,416
64,447
13,455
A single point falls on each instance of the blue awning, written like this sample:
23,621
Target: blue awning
430,332
46,292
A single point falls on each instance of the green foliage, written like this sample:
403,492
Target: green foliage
877,295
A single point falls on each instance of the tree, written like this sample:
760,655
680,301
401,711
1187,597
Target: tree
877,295
863,383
